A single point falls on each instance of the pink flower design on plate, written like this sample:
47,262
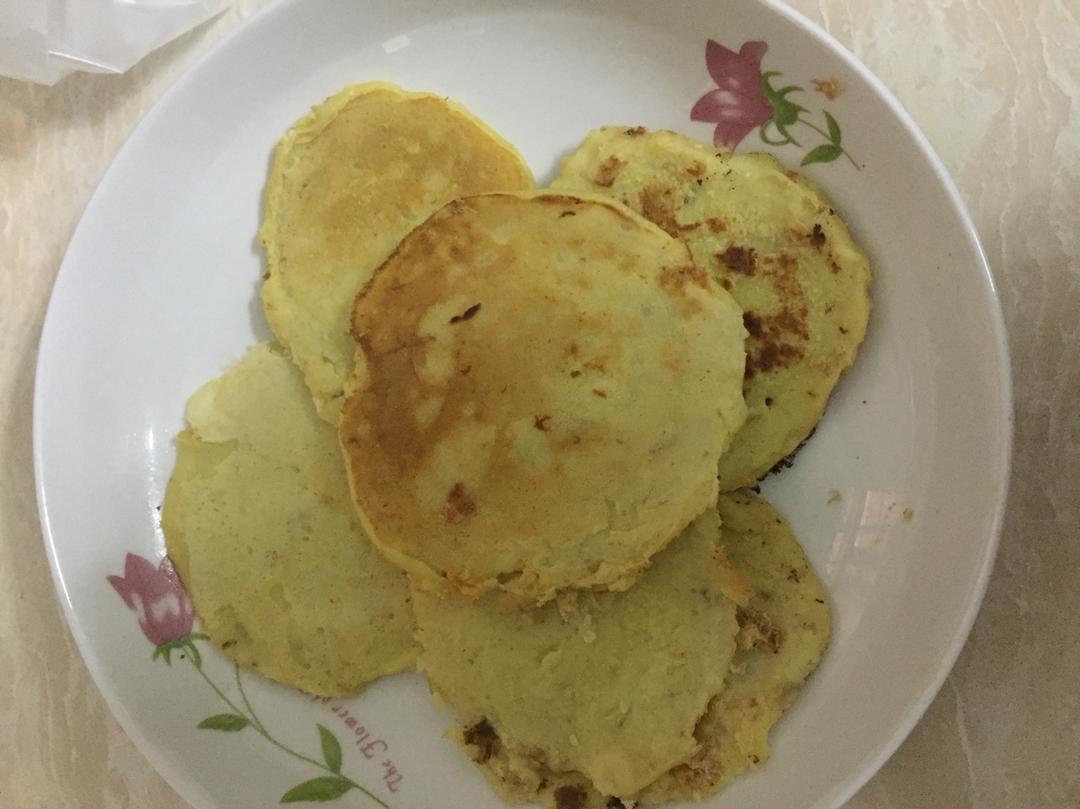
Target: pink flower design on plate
745,98
166,617
157,598
738,103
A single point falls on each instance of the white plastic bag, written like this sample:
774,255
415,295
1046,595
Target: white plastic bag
44,40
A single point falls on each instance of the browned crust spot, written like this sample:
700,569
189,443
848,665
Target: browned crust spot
695,169
790,321
468,314
541,423
774,327
569,797
716,225
673,280
756,630
600,393
575,374
609,171
770,356
484,739
773,335
459,505
636,131
752,324
817,237
742,260
565,214
656,205
786,264
679,276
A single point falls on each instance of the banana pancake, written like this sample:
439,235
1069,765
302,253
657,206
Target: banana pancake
259,524
544,385
608,684
347,182
783,630
773,239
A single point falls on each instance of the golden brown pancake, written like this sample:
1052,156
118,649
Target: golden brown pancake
774,240
544,386
347,182
610,685
260,526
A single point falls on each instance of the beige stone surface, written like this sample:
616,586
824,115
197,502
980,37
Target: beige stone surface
995,84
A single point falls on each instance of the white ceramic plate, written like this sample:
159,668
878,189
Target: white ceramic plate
157,294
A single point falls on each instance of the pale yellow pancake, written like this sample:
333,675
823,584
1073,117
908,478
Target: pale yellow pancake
774,240
784,631
347,182
260,526
784,628
610,685
544,386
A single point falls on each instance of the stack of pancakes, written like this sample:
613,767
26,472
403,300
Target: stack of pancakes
503,437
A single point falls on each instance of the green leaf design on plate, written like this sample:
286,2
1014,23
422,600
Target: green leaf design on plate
224,721
834,128
326,788
331,750
826,153
196,658
785,113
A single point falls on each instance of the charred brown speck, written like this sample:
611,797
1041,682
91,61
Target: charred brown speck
483,737
468,314
742,260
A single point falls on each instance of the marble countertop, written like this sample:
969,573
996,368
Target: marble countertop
994,84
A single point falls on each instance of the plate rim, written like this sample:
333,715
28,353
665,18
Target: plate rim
1003,407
